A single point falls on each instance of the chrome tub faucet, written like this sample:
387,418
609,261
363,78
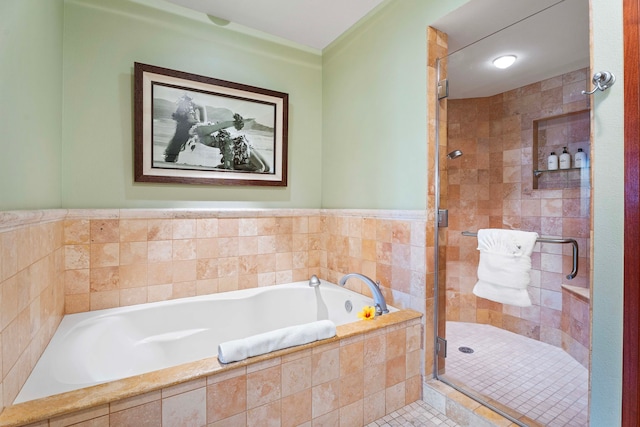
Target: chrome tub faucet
378,298
314,282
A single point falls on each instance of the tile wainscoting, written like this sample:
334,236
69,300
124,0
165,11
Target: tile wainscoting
55,262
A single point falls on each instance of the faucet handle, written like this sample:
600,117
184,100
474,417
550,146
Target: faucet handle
379,310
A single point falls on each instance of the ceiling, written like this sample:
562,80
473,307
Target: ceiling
479,31
549,37
312,23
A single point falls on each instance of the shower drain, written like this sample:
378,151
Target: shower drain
467,350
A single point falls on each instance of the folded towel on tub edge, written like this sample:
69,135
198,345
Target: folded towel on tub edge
255,345
505,265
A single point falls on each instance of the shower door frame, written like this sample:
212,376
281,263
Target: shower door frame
440,281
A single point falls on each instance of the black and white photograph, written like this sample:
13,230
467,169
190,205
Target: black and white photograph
200,130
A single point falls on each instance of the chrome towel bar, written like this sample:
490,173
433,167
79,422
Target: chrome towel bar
573,273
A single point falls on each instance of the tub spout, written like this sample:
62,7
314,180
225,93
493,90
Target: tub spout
314,282
378,298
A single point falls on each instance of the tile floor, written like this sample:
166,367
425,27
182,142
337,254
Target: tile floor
417,413
538,380
508,368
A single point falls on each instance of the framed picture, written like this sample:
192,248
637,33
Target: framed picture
193,129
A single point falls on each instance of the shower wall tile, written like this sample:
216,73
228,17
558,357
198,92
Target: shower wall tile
492,186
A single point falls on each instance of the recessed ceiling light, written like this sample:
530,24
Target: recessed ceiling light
504,61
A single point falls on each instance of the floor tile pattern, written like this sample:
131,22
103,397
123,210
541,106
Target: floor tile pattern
416,414
538,380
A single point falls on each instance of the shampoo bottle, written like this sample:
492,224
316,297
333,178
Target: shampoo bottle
580,159
565,159
552,161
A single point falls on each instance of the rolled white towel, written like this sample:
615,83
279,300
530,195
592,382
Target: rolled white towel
235,350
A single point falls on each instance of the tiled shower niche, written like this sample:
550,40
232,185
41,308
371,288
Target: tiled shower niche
551,134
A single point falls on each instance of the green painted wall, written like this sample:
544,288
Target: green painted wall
375,109
102,41
608,217
30,103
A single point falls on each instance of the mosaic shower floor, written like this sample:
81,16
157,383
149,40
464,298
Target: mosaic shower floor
538,380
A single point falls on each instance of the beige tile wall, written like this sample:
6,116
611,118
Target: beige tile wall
575,325
31,293
387,249
492,186
154,256
112,262
86,260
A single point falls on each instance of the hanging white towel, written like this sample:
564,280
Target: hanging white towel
233,351
505,265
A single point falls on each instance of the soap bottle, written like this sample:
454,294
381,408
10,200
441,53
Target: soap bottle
580,159
552,161
565,159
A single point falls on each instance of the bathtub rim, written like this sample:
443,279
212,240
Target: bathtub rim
231,295
102,394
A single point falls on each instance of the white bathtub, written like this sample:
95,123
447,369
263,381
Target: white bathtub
106,345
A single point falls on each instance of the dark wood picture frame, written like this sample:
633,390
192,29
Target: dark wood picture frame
192,129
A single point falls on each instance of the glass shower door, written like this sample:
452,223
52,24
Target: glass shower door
529,363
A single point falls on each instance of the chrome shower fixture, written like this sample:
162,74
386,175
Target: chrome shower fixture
454,154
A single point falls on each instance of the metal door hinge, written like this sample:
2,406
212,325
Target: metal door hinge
443,88
443,217
441,347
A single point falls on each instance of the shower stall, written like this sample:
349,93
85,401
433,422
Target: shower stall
494,132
